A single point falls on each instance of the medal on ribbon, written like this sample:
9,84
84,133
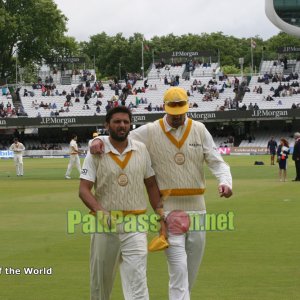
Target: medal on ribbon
122,178
179,157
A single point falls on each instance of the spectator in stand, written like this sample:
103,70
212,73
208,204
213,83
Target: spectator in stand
130,105
284,93
146,84
259,90
108,106
98,102
166,82
256,107
244,107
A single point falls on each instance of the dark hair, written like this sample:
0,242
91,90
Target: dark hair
16,140
118,109
73,136
285,142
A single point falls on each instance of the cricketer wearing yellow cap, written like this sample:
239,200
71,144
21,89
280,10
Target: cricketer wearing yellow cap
179,147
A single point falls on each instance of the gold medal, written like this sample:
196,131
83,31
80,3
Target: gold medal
179,158
122,180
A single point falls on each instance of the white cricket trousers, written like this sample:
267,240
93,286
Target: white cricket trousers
108,251
18,158
74,160
184,257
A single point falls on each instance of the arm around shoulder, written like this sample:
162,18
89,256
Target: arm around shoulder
97,146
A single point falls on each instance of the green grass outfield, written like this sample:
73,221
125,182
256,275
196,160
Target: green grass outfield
260,259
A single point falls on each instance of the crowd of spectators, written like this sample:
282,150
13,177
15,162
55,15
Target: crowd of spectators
7,111
44,147
277,77
285,87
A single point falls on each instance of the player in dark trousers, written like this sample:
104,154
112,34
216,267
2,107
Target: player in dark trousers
272,148
296,155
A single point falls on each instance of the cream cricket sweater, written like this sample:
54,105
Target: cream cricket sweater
186,182
132,196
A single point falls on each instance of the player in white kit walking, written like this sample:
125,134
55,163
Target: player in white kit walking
18,149
74,157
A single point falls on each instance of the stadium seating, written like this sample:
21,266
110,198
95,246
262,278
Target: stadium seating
260,139
157,87
154,96
260,99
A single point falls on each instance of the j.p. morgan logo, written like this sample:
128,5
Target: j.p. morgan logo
63,121
201,116
270,113
136,118
183,53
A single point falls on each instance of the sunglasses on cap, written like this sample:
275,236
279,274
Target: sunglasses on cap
176,103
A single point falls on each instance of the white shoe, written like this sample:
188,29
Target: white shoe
67,177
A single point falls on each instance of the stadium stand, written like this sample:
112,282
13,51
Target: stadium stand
207,90
206,94
260,139
287,97
7,108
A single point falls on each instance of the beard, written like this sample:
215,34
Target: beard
115,136
176,121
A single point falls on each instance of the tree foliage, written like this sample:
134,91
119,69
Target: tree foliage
110,51
31,30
